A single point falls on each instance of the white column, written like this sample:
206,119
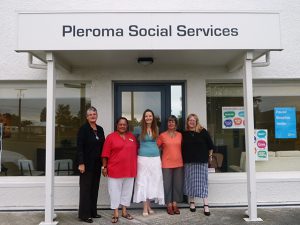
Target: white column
196,92
50,141
249,136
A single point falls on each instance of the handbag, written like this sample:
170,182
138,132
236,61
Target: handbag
213,163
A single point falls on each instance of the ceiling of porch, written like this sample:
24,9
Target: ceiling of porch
111,58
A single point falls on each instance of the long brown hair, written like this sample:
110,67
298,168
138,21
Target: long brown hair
199,127
154,128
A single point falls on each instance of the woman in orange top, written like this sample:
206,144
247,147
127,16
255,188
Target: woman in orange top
172,165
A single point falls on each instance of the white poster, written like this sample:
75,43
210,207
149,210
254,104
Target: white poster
261,144
233,118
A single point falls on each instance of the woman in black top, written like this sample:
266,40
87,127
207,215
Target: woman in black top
197,149
90,141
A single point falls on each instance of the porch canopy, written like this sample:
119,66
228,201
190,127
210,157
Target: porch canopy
91,39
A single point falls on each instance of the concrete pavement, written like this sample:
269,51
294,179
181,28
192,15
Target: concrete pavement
219,216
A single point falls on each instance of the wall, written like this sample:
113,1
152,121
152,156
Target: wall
103,86
19,193
283,64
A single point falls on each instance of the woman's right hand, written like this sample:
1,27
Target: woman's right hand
81,168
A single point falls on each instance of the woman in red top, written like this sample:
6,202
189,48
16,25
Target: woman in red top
119,160
172,165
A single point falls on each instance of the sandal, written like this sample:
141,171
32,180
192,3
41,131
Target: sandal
206,213
170,210
192,209
175,209
150,211
115,219
127,216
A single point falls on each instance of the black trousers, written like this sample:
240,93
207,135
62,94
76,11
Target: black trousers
88,196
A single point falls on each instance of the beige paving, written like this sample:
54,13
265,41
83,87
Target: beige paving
219,216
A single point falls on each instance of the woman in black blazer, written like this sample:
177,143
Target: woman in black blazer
90,141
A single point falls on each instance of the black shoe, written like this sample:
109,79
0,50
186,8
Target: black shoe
192,209
206,213
97,216
88,220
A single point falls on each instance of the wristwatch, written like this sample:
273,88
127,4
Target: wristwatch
103,167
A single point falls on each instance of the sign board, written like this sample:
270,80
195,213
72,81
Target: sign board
285,122
233,118
261,144
148,30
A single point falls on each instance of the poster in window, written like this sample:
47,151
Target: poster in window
261,144
285,122
233,117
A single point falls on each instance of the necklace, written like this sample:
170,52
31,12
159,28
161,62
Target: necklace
96,135
149,132
192,133
171,133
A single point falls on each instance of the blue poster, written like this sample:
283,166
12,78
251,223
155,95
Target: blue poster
285,122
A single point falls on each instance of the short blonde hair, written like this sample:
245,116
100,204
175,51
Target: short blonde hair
199,127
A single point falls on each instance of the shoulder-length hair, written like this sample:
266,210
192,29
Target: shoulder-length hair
199,127
154,127
173,118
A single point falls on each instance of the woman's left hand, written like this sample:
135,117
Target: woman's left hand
104,172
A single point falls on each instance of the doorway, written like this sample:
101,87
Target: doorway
164,99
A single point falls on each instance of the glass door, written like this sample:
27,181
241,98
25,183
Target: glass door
132,100
164,99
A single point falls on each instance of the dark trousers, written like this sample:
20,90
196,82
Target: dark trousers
89,186
173,184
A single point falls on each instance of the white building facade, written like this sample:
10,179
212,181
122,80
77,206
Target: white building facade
200,53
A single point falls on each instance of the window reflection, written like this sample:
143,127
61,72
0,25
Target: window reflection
232,141
134,104
176,104
23,115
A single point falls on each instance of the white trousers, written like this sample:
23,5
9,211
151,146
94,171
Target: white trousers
120,191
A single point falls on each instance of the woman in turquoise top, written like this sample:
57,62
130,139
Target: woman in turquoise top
149,180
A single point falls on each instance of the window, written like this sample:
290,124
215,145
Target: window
23,116
176,104
267,96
